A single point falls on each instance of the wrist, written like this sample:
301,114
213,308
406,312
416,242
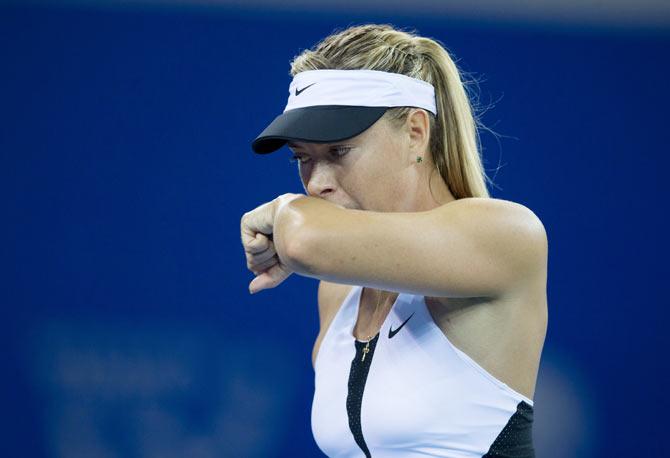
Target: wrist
284,228
282,201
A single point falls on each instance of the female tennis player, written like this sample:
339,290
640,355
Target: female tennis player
432,295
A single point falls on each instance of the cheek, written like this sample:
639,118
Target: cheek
303,171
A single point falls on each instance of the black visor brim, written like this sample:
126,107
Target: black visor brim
316,124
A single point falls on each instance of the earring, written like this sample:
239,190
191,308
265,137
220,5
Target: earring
418,159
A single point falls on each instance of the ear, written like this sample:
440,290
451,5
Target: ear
418,128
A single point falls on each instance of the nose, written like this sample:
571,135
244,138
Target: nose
320,182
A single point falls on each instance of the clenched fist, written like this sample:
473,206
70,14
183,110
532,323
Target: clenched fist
257,227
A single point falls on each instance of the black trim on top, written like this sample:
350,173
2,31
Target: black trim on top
516,438
358,374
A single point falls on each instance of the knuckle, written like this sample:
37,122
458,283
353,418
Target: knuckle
245,218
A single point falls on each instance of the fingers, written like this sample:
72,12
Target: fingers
254,240
256,229
258,244
260,260
263,266
270,278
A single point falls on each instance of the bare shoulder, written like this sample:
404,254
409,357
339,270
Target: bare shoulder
330,297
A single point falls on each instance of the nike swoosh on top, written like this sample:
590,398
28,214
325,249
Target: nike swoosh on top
392,332
298,91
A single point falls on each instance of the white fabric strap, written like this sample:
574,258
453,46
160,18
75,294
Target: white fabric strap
370,88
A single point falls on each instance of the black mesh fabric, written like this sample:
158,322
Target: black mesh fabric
357,377
516,438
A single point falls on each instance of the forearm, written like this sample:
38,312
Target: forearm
351,246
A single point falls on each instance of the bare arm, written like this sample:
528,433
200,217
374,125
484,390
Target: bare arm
465,248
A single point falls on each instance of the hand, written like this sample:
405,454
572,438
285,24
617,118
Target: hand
257,227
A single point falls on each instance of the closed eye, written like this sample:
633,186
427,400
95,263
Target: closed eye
337,151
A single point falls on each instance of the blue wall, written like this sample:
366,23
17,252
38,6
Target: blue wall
126,166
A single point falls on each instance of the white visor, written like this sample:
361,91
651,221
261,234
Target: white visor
332,105
363,88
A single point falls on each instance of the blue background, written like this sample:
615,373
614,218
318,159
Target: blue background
126,167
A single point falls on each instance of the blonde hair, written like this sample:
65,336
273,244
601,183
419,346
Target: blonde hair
454,139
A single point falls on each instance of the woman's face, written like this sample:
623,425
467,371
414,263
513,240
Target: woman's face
371,171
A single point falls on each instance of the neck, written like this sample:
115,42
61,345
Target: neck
429,189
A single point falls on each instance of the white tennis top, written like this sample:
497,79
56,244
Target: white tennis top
414,395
